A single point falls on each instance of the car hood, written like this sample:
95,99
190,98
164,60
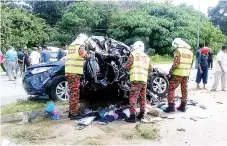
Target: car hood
57,63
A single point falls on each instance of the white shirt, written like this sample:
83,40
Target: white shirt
222,57
34,56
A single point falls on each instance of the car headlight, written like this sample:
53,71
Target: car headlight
39,70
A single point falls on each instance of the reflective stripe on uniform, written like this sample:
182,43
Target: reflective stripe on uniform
184,68
139,70
74,62
139,73
140,67
73,59
73,65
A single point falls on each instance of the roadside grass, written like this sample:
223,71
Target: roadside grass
157,59
26,105
29,133
144,131
147,131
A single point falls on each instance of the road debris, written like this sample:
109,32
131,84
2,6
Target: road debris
220,102
203,107
150,119
193,119
200,117
181,129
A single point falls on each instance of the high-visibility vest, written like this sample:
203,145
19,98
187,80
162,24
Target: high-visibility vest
139,70
73,61
184,68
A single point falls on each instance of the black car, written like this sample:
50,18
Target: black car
46,79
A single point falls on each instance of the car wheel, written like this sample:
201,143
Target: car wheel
159,85
59,89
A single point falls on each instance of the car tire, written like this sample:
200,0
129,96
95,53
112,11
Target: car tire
152,85
53,87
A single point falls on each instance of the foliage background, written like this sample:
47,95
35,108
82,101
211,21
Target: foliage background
157,24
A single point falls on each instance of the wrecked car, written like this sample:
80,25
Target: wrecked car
104,75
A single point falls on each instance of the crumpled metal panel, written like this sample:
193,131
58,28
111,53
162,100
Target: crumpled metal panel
37,81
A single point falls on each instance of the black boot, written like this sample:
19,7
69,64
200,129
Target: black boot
182,107
131,119
170,108
74,116
141,115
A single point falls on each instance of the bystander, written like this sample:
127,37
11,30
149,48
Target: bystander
221,69
35,57
11,61
61,52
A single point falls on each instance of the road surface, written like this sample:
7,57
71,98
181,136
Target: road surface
11,91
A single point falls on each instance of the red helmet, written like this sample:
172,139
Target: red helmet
205,50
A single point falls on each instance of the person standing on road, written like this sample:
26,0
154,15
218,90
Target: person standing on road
2,61
74,63
20,56
35,57
202,71
61,52
221,69
11,61
140,66
26,59
210,59
198,54
45,55
179,74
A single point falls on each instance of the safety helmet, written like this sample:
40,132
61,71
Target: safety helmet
180,43
138,46
80,39
205,50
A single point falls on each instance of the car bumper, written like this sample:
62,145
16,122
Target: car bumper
36,84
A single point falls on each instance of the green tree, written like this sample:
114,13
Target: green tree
158,24
19,28
51,11
84,17
218,15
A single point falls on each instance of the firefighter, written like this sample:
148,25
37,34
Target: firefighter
139,66
179,74
74,62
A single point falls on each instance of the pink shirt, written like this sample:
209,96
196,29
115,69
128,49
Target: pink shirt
1,57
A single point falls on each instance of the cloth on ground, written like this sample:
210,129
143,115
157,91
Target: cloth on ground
82,123
51,111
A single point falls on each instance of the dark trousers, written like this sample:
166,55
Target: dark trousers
3,67
210,64
202,76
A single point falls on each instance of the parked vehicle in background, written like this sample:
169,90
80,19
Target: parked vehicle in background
53,53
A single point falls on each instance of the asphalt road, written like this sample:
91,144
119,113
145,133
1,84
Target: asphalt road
11,91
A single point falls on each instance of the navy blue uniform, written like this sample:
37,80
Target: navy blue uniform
203,61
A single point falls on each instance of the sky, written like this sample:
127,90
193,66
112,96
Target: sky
204,4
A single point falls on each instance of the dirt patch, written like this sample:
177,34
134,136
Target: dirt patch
63,132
